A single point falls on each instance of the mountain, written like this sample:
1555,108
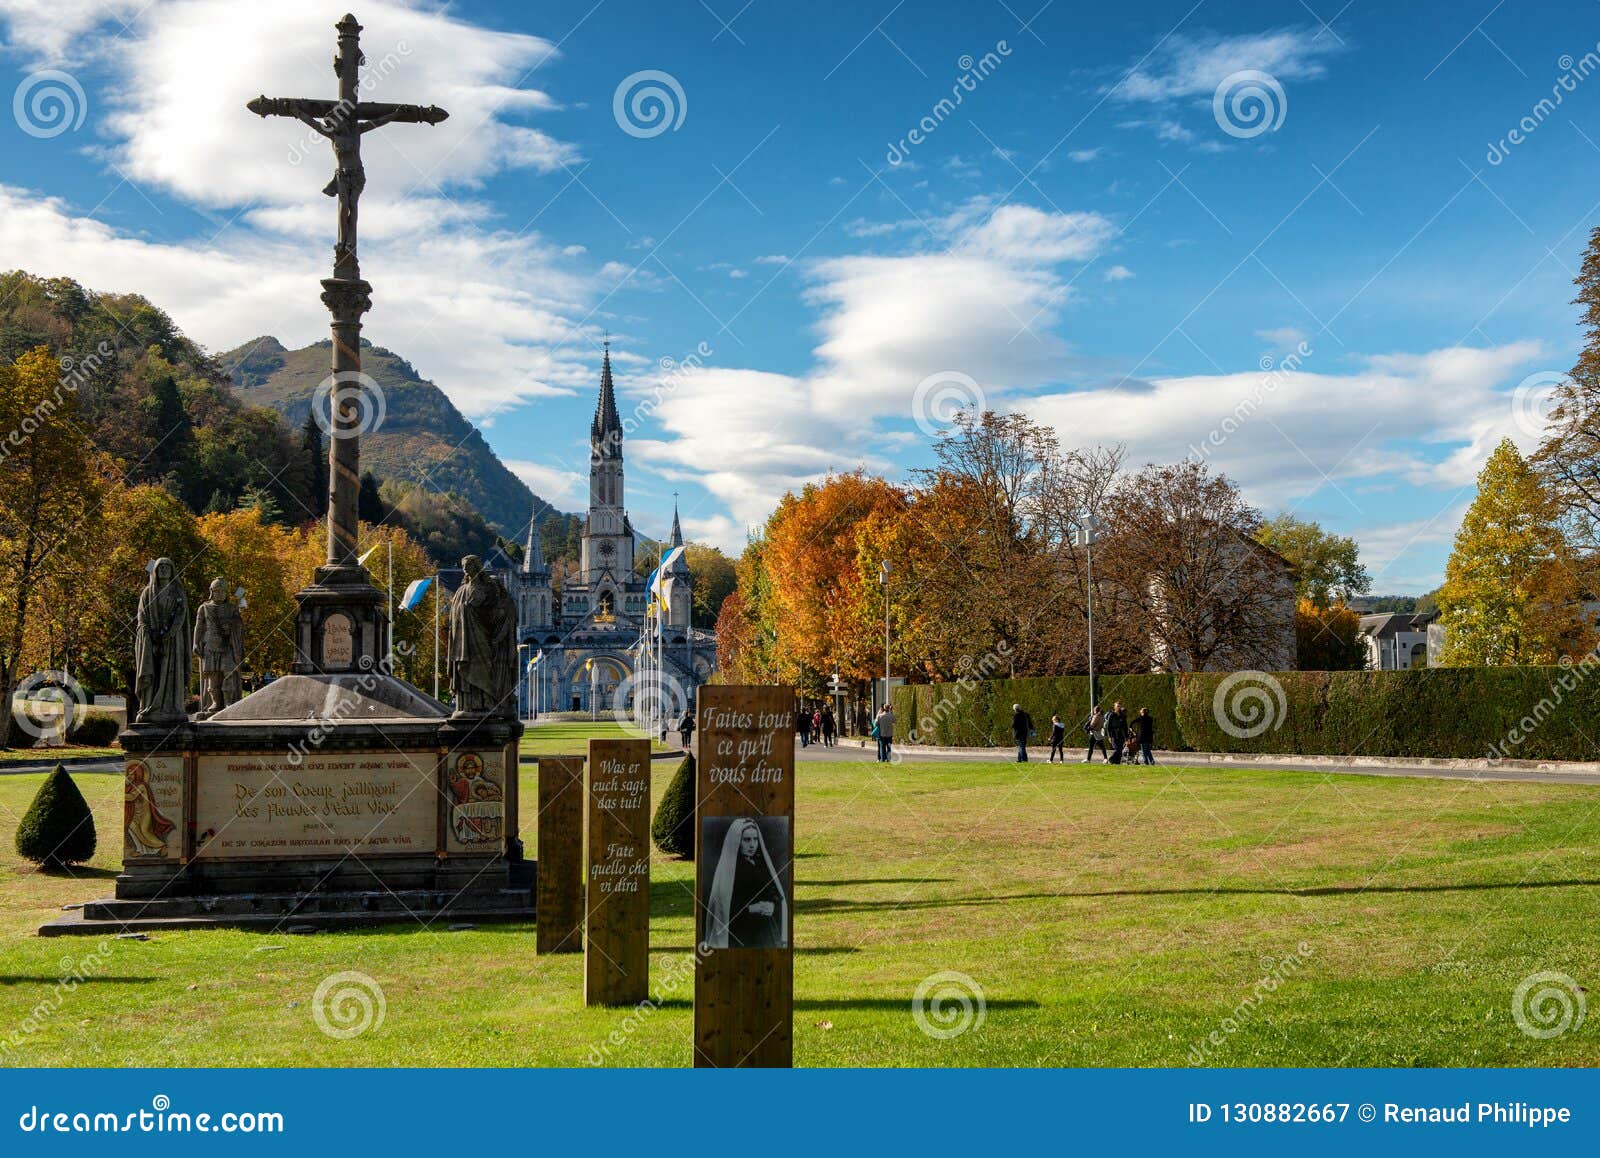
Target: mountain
423,437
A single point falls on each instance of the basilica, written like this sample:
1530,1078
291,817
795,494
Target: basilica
587,648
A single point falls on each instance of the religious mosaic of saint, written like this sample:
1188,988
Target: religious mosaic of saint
477,802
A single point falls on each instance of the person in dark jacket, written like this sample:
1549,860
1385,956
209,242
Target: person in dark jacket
1058,740
802,726
686,727
1117,731
1021,730
1145,729
829,726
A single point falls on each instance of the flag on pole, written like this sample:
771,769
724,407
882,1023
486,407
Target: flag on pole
415,593
362,560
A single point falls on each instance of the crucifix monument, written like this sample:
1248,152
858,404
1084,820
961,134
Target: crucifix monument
342,597
337,794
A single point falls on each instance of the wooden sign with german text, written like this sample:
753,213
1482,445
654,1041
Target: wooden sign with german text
617,877
559,927
744,877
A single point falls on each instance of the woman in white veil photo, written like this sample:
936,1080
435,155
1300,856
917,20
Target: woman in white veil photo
746,908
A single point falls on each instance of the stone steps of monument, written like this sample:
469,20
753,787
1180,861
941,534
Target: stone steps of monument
78,924
397,904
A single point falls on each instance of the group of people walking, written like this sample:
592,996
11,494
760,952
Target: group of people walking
1119,739
815,724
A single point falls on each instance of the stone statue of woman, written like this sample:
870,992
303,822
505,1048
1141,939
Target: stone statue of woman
161,646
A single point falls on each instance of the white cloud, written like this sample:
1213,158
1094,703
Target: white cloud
983,307
1192,66
1283,338
552,483
1429,419
1118,273
1084,156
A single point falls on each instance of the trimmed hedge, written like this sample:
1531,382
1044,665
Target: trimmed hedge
673,827
94,729
1533,713
58,828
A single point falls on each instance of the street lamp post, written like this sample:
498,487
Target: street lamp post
1084,535
883,581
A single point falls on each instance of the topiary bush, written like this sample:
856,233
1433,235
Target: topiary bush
94,729
673,827
58,828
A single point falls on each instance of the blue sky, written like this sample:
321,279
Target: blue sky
1343,305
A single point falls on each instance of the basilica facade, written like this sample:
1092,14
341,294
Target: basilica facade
595,641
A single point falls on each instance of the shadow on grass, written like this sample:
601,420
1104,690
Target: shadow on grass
804,950
30,979
886,1004
828,905
76,873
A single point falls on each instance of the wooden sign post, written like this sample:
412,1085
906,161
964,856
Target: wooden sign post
744,877
616,964
559,927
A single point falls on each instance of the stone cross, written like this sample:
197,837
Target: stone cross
347,296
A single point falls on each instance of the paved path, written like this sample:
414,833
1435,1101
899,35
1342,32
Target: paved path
850,749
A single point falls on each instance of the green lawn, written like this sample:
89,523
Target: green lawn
571,737
1111,916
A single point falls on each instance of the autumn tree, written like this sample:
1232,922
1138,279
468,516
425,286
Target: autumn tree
714,578
1181,544
49,494
1328,638
1327,566
1511,593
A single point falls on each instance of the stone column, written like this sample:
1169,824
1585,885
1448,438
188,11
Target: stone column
347,299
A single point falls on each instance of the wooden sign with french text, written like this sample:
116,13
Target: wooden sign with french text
617,876
559,927
744,877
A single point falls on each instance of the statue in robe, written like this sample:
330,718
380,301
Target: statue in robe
483,644
161,646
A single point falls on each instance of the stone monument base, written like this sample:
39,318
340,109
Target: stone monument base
320,801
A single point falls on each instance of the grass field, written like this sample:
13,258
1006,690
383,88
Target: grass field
1110,916
571,737
45,755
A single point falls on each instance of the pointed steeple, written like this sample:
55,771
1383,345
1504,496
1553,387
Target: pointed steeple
680,565
605,432
533,553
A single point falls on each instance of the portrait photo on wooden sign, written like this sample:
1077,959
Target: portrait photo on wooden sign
745,898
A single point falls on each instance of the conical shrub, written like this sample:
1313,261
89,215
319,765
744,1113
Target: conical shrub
58,828
673,829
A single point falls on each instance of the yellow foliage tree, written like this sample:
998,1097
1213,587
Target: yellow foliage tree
1511,593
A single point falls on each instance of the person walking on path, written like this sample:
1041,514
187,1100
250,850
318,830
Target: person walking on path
1145,729
1058,740
883,728
829,727
1021,731
1117,731
1095,728
802,726
686,728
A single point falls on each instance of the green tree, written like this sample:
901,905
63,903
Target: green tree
49,494
1511,593
314,464
1328,638
714,577
1327,566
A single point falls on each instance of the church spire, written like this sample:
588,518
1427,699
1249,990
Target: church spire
677,530
605,432
533,553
